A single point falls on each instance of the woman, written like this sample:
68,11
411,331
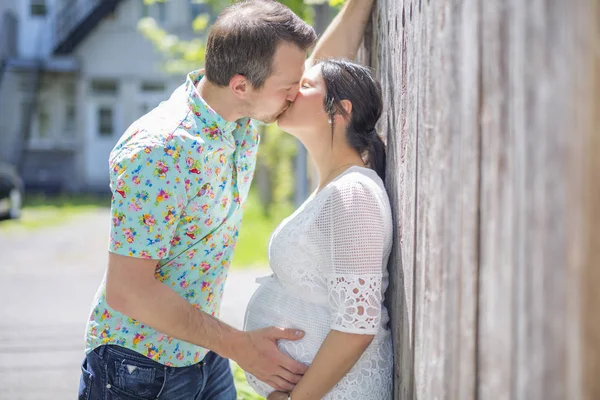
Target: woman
329,258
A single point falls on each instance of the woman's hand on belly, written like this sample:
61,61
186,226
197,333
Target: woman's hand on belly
338,353
278,396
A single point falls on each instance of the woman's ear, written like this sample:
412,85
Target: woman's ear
347,107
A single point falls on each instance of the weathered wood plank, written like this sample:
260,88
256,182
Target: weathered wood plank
541,84
456,289
401,117
447,198
463,109
396,71
497,256
584,206
590,194
425,293
432,135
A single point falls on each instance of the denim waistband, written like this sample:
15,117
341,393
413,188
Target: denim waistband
124,352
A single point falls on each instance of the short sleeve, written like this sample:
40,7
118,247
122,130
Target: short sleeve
357,237
148,197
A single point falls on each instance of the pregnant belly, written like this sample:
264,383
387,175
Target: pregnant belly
273,305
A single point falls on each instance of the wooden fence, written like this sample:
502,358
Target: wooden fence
493,125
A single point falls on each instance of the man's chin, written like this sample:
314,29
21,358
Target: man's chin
267,120
271,118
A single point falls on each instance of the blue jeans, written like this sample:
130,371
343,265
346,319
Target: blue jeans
114,372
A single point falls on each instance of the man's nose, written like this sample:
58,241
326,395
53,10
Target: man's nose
293,93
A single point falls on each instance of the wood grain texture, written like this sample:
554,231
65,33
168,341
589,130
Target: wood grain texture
585,225
492,124
395,70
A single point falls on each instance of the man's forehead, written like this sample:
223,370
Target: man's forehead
287,76
289,63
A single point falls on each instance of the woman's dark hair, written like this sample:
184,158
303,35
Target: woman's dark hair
345,80
245,36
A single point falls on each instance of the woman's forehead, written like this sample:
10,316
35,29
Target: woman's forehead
314,73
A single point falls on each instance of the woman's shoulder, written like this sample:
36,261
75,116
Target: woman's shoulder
359,179
359,186
357,202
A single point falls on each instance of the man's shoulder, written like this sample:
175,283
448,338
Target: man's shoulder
158,128
149,139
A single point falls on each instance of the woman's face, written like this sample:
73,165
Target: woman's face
307,115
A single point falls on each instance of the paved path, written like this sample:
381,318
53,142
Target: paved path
47,281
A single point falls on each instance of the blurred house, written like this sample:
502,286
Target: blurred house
73,75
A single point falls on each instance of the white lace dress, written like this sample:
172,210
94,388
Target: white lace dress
329,263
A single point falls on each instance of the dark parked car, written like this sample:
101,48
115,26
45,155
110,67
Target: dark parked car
11,192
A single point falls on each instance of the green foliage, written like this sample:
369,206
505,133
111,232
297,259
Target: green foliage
277,151
41,211
181,55
186,55
251,247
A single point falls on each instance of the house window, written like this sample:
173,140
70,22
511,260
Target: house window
43,118
105,87
37,8
25,113
145,9
106,121
162,11
198,7
156,9
70,89
153,87
70,116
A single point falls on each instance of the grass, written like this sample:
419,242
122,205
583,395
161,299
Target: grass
41,211
244,391
251,248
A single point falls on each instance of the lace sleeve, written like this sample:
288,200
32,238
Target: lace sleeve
357,237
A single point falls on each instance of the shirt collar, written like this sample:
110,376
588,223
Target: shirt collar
201,109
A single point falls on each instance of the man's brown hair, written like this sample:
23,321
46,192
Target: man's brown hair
246,35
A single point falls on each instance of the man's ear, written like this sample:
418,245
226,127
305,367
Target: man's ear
240,86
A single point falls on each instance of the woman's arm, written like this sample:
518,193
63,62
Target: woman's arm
343,36
338,353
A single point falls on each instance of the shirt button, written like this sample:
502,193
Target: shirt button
108,386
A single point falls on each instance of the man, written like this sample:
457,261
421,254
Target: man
179,177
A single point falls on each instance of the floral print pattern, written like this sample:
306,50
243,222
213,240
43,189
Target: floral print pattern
179,176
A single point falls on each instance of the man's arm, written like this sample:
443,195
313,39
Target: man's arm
132,290
131,286
345,33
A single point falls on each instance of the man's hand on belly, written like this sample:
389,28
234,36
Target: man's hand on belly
258,354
